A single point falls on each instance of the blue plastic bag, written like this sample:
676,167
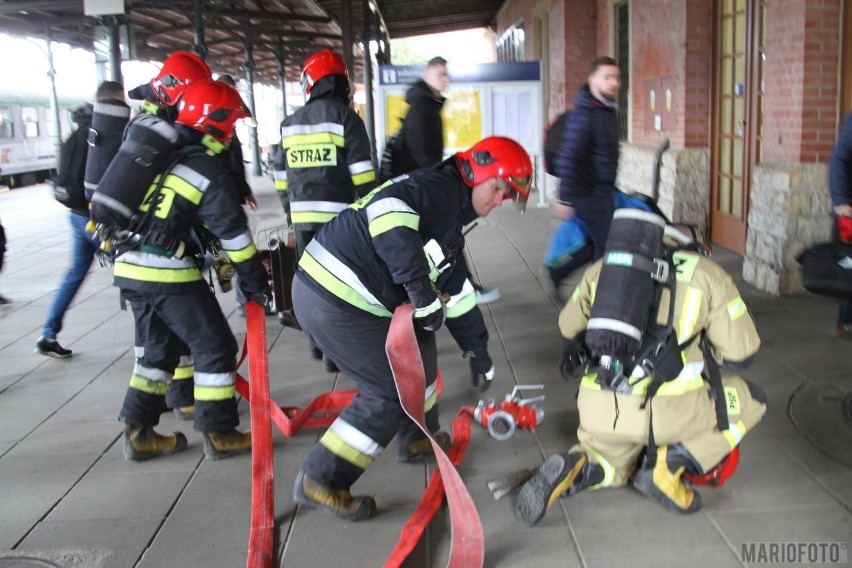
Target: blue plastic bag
571,234
567,240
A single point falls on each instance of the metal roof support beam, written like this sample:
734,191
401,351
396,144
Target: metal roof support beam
278,18
253,146
282,75
10,7
346,29
368,79
198,44
114,50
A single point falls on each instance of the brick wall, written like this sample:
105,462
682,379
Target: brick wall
802,46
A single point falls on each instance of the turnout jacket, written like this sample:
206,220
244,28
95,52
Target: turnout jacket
323,163
706,300
409,228
199,189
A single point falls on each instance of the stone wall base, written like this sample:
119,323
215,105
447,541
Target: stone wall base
790,211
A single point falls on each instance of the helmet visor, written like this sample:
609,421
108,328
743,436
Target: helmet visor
518,191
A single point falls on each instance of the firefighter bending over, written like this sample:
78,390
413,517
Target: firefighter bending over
171,302
398,244
691,436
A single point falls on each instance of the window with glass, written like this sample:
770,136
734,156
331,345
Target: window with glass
7,127
29,117
510,46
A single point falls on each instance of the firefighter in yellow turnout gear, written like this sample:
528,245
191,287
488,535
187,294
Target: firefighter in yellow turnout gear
614,426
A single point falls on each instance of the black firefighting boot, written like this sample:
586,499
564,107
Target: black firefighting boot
559,474
338,502
663,482
142,443
185,412
420,449
221,445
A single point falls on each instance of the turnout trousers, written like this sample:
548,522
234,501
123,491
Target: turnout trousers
614,436
167,326
356,343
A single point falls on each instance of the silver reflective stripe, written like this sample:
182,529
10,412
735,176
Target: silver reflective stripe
112,110
237,243
185,360
192,177
360,167
111,203
332,127
341,271
214,379
431,390
151,374
436,253
324,206
467,290
159,126
430,309
387,205
639,215
89,185
138,351
155,261
356,438
280,175
615,325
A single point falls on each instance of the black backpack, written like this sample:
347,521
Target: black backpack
552,140
68,183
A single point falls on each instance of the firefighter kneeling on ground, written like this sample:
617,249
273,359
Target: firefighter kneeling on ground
399,243
171,300
685,438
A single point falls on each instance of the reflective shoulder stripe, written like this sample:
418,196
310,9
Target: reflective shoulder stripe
387,205
297,129
391,221
198,180
339,279
462,302
736,308
690,311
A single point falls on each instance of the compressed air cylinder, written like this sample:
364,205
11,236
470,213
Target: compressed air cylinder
625,291
109,120
145,152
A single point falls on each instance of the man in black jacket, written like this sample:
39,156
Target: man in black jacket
587,163
423,130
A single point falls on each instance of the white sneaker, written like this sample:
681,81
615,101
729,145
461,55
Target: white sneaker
487,295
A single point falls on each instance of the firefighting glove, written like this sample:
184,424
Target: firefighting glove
262,297
428,308
481,369
574,356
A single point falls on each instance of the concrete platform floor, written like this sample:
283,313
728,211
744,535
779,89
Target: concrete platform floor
67,495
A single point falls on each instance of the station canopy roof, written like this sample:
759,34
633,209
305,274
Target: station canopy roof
295,28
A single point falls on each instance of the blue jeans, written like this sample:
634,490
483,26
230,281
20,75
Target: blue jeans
83,249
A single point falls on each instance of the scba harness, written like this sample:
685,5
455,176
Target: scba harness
625,344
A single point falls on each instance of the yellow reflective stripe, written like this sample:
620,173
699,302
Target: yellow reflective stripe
214,394
576,295
281,184
588,382
362,178
147,274
609,470
676,387
431,396
315,138
593,291
462,302
311,217
140,383
242,255
338,447
736,308
689,315
337,287
393,220
735,433
183,373
428,310
184,189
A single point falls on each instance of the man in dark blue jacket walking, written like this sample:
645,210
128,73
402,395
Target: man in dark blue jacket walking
587,163
840,184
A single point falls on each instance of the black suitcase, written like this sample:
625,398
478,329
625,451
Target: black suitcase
827,269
